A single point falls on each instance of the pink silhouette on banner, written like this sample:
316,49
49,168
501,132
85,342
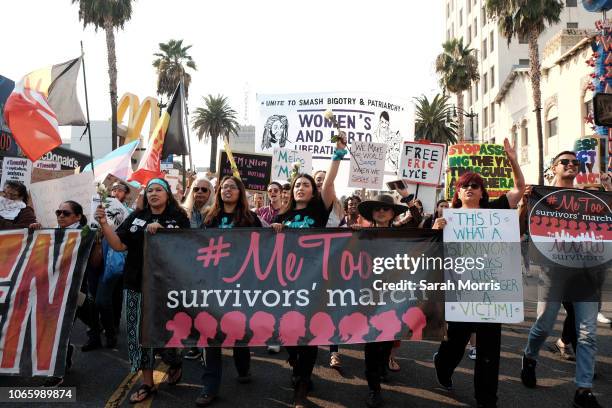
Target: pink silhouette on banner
388,324
322,327
262,326
206,324
415,319
233,324
292,327
180,326
353,328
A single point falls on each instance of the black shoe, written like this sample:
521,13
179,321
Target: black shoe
92,344
300,394
205,400
374,400
585,399
528,374
111,342
444,380
193,354
69,355
53,382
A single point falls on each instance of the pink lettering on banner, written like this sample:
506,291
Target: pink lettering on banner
325,240
363,266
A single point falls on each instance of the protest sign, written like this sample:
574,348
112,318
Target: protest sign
488,160
48,195
255,169
588,151
244,286
39,175
116,212
42,273
283,160
421,163
16,169
297,121
367,165
492,289
46,165
132,195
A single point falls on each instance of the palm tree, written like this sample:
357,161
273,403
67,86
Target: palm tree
432,120
170,64
457,67
214,119
528,19
107,14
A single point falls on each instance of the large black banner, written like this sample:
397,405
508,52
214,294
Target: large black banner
238,287
40,278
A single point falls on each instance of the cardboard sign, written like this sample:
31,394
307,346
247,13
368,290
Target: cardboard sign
46,165
111,179
116,212
488,160
39,175
421,163
491,239
283,160
367,165
16,169
255,169
588,151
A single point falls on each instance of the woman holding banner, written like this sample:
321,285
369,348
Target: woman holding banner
470,193
230,209
160,210
308,208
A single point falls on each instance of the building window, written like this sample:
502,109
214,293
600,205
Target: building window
484,83
524,61
460,17
524,134
469,34
483,16
475,26
476,91
571,3
572,25
492,113
485,117
551,127
492,77
469,7
491,43
484,49
447,10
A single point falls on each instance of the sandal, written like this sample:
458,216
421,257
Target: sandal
393,365
143,393
174,375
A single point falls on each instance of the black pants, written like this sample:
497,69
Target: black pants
376,361
211,375
568,335
486,372
302,359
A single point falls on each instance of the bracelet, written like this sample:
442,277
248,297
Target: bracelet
339,154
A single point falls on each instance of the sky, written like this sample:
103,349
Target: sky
241,48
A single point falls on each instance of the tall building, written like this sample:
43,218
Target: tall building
496,59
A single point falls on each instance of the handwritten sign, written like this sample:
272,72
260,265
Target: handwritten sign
421,163
16,169
492,290
367,165
488,160
588,151
283,159
255,169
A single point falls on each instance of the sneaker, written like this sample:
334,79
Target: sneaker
472,353
565,351
585,399
528,374
205,400
52,382
92,344
193,354
374,400
273,349
603,319
443,380
334,360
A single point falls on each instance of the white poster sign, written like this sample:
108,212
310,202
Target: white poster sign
421,163
116,212
16,169
491,239
367,165
283,160
297,121
48,195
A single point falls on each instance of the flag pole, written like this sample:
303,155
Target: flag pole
186,110
87,111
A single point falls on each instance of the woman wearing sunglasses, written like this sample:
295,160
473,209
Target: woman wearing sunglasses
198,201
160,210
470,193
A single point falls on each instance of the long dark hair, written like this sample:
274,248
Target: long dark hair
436,215
242,214
20,188
77,209
172,205
315,192
467,178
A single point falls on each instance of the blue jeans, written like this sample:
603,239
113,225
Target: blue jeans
211,377
586,328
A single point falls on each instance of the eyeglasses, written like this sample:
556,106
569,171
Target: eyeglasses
202,189
65,213
229,187
381,209
473,186
565,162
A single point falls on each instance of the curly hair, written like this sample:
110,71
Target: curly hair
266,141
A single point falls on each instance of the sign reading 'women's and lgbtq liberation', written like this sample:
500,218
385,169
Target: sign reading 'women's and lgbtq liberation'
297,121
40,277
257,287
488,160
492,289
421,163
254,169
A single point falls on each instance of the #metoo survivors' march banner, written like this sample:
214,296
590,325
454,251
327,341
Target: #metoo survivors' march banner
40,277
488,160
257,287
297,121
